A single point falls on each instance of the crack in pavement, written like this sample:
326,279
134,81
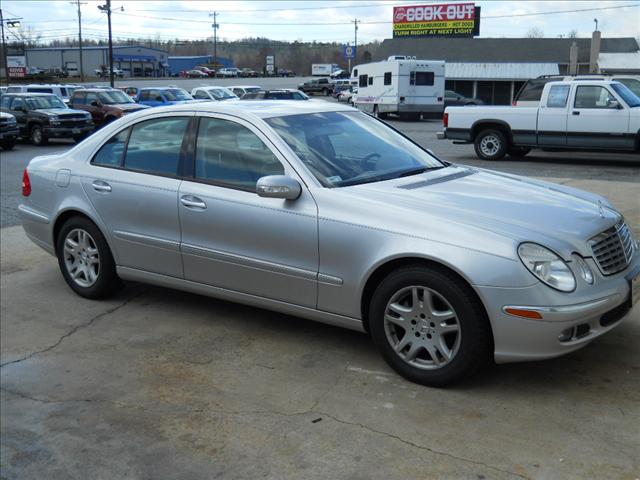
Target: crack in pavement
72,331
284,414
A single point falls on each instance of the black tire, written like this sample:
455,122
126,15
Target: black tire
107,281
36,135
491,144
518,152
474,349
8,143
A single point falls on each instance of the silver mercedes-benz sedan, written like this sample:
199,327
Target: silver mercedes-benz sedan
317,210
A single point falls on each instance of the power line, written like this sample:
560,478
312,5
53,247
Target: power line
380,22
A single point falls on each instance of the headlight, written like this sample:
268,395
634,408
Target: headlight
548,267
583,269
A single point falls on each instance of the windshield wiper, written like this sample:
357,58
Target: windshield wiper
416,171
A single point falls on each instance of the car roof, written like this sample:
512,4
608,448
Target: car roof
162,88
245,86
93,89
211,87
262,108
29,94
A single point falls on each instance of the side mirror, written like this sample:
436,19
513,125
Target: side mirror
159,99
278,186
94,104
614,104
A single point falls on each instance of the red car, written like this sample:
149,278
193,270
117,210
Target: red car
209,71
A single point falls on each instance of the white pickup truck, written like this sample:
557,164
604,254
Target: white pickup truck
572,115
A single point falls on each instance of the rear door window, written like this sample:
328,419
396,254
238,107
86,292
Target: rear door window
155,145
111,153
558,95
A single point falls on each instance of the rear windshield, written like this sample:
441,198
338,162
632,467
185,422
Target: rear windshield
531,91
174,94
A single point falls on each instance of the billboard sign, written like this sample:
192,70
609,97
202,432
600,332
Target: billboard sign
443,20
270,60
349,52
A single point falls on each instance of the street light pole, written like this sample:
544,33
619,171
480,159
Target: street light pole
355,38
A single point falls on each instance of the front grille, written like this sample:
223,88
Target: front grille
73,123
69,116
613,248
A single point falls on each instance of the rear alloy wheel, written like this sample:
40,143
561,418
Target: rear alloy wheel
429,326
85,259
37,135
491,145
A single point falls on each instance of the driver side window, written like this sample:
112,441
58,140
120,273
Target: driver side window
231,155
17,104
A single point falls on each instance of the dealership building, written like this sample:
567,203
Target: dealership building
493,69
134,60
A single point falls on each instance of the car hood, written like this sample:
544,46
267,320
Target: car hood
57,111
128,107
515,207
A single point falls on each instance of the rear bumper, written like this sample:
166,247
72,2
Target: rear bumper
461,134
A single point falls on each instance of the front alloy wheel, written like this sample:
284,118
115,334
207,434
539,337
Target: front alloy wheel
429,325
37,135
422,327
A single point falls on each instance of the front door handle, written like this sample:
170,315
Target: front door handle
575,113
101,186
191,201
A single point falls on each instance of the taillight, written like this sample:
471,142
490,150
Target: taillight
26,184
445,120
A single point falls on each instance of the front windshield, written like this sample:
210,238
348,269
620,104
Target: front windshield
174,94
627,95
632,84
222,93
47,101
113,97
350,148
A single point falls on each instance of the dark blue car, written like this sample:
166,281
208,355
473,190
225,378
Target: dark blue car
155,97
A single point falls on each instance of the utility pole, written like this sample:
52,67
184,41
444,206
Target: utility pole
215,38
79,3
4,50
355,38
107,8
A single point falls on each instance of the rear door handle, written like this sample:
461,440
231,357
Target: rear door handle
193,202
101,186
575,113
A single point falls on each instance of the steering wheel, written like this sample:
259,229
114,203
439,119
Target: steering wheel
369,160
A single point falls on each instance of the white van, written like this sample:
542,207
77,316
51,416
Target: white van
64,92
406,87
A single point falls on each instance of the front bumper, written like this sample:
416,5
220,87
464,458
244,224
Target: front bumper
67,132
565,326
9,133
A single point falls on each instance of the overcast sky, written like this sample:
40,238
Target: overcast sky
281,20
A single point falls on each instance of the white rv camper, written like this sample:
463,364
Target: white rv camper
407,87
